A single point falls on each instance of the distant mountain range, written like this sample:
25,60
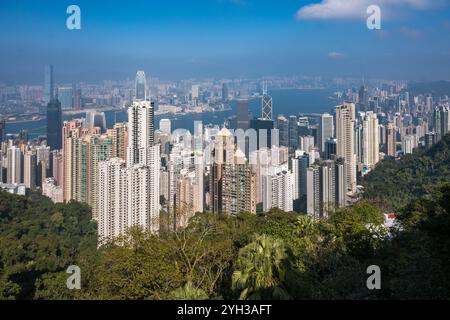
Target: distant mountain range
436,88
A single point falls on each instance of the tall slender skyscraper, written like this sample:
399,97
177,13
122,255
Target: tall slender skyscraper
266,103
224,92
14,165
345,135
282,124
29,168
391,139
370,143
326,130
133,190
141,84
2,129
313,191
327,188
242,117
48,84
442,121
140,131
65,96
54,125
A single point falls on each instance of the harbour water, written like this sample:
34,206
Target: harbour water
285,101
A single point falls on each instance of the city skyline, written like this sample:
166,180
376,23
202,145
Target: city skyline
224,150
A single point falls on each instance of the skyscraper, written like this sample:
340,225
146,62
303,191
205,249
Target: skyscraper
430,139
165,126
132,189
238,186
313,191
266,102
293,134
74,159
300,164
327,188
363,97
330,148
54,125
278,190
263,129
119,138
29,168
48,84
442,121
2,129
282,124
195,91
370,144
345,127
14,165
77,99
391,140
341,183
242,115
140,131
140,85
112,200
325,130
224,92
306,143
65,96
409,142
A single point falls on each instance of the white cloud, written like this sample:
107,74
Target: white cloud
334,54
356,9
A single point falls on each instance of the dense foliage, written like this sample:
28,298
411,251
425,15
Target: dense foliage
275,255
395,183
38,239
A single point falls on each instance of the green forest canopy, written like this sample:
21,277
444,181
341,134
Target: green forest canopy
274,255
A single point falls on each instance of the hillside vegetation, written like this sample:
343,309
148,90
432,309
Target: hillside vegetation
394,183
275,255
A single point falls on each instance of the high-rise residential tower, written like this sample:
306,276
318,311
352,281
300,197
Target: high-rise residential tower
140,131
370,141
442,121
391,139
345,135
14,165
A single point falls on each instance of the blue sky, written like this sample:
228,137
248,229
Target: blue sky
175,39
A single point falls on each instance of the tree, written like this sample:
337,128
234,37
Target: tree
188,292
260,271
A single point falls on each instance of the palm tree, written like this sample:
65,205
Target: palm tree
188,292
259,271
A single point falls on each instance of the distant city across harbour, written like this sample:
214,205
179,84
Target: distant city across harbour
285,102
